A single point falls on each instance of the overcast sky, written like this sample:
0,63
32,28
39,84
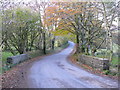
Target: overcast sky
69,0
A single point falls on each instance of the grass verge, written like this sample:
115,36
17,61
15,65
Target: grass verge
108,73
33,54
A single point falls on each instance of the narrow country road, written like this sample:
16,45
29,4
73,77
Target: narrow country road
55,71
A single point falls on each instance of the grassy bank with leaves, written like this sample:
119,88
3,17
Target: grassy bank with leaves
112,72
105,73
33,54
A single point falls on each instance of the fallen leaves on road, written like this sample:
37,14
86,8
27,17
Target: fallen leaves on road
14,78
73,60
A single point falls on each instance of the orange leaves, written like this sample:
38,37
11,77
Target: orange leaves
49,21
58,11
68,11
76,12
61,14
51,10
61,10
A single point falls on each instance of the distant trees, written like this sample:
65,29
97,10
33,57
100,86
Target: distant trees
23,28
86,20
20,30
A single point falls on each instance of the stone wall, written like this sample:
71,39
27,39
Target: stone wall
18,58
95,62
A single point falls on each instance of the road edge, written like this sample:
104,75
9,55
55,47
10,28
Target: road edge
72,61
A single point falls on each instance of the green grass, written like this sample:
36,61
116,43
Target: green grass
35,53
115,48
115,60
5,55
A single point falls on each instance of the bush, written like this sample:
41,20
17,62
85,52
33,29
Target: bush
106,72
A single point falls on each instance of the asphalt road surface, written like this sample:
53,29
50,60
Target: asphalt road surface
55,71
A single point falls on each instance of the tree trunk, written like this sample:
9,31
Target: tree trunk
82,48
87,50
77,43
53,42
44,43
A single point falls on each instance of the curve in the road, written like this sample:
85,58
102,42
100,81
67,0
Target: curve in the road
55,72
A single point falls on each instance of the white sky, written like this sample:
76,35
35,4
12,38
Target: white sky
28,0
70,0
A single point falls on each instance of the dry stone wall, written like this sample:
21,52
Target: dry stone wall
18,58
95,62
